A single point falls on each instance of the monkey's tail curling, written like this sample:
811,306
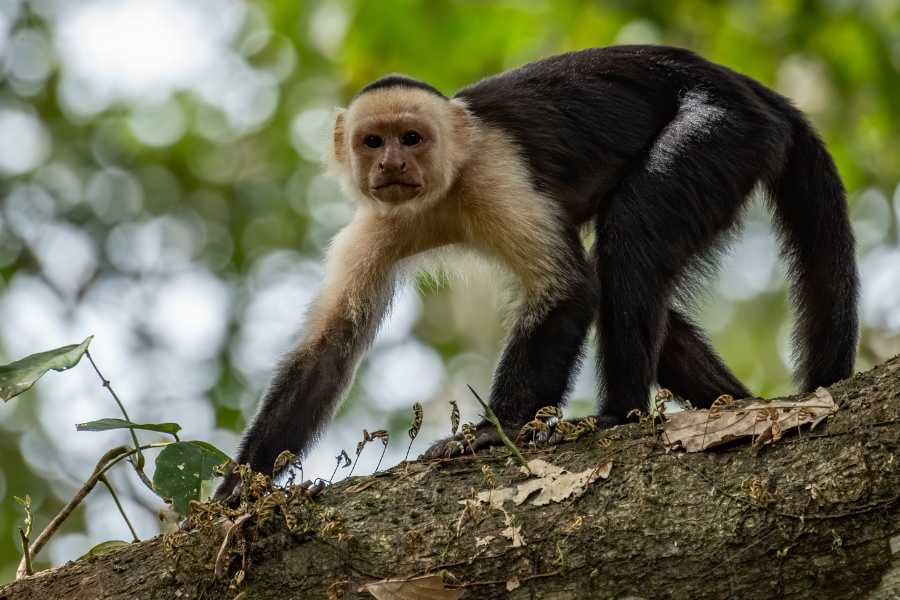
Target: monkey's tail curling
810,209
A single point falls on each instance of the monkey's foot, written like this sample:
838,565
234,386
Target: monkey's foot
485,436
596,421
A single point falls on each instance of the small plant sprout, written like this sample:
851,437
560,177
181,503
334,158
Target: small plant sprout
341,460
418,413
286,461
25,531
360,446
454,417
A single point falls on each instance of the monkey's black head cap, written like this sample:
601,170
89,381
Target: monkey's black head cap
395,80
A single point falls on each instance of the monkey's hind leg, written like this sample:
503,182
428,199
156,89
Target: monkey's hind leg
668,212
535,371
690,368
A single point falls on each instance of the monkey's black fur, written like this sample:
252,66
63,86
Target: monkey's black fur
657,149
661,148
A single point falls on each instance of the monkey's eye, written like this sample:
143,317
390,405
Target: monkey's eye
410,138
373,141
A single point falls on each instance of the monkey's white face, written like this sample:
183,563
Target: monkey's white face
400,147
392,156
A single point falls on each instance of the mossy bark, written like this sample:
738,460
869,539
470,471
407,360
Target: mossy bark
815,515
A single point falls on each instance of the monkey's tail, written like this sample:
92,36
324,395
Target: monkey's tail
810,210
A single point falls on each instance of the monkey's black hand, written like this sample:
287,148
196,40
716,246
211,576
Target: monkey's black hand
229,491
485,436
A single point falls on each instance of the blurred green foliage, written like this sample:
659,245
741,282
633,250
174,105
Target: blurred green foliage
247,191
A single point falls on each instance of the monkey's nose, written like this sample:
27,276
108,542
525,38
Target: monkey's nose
391,166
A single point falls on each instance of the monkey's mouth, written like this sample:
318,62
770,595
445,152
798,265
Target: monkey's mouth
396,191
398,184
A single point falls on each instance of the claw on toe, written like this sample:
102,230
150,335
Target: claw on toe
454,448
313,489
472,441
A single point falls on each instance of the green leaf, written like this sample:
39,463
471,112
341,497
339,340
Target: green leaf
17,377
181,469
105,548
111,423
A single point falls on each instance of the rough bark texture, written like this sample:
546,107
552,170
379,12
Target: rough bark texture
814,515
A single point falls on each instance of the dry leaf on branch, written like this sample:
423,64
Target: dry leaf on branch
514,534
765,421
429,587
550,482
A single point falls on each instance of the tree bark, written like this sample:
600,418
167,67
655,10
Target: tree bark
816,514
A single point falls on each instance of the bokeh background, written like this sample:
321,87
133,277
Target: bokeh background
161,188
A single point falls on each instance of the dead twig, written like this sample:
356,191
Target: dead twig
492,418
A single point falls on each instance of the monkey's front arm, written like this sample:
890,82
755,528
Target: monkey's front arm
360,276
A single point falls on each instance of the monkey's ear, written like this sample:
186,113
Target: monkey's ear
340,147
464,128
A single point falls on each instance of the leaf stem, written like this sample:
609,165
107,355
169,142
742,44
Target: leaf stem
115,497
355,462
139,464
380,458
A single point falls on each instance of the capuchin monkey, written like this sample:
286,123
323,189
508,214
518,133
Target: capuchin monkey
654,148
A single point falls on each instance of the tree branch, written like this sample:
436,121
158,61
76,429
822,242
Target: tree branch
809,516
